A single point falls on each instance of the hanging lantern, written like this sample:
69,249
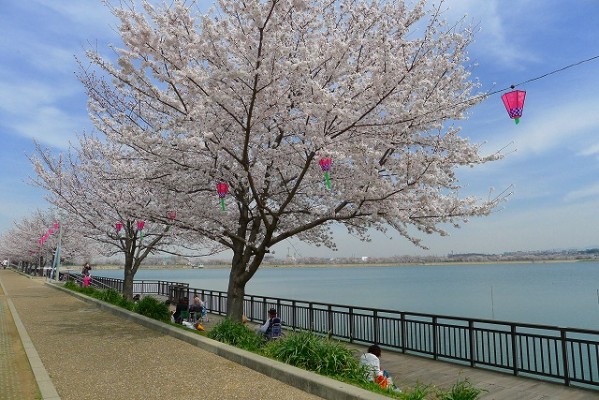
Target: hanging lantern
56,225
51,231
222,188
514,103
325,165
118,226
172,215
140,228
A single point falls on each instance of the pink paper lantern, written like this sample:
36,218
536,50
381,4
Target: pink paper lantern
514,103
140,225
222,188
325,165
172,215
118,226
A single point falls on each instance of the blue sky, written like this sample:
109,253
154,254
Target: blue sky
552,166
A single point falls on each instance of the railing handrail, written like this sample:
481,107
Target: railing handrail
542,351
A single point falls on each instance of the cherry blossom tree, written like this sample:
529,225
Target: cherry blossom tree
256,93
103,205
33,240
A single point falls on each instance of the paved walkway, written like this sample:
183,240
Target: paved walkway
92,354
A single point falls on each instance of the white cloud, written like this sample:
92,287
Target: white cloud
494,38
590,191
51,126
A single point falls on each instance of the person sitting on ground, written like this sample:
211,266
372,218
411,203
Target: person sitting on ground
266,329
197,304
182,305
371,360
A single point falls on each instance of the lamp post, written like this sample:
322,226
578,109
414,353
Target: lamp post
56,266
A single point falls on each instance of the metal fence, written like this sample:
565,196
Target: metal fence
552,353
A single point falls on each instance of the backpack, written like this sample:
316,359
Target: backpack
274,329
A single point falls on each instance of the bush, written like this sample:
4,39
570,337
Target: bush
152,308
71,285
314,353
419,392
236,334
110,296
462,390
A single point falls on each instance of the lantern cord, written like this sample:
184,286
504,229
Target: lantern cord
542,76
485,95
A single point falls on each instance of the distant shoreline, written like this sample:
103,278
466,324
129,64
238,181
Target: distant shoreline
346,265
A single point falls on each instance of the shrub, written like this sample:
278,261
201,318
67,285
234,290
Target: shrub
89,291
462,390
110,296
71,285
236,334
419,392
314,353
152,308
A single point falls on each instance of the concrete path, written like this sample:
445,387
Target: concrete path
92,354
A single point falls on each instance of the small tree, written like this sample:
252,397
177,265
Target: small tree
22,242
88,190
256,93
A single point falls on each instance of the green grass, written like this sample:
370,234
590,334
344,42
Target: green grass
236,334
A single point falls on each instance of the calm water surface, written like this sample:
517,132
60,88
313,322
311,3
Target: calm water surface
562,294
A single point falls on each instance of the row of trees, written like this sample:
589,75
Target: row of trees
255,94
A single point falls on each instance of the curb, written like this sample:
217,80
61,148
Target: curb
307,381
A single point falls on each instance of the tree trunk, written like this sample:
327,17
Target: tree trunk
236,292
128,280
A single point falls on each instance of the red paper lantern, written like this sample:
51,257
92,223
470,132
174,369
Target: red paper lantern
118,226
56,225
514,103
140,225
222,188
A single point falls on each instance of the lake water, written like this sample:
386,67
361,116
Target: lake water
560,294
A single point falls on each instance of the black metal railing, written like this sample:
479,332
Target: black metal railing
552,353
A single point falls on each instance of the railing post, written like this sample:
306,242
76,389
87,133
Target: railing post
404,331
219,302
351,324
514,348
471,340
311,316
375,322
293,316
435,349
330,320
564,341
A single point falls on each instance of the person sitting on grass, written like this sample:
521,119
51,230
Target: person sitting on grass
271,329
371,360
182,305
